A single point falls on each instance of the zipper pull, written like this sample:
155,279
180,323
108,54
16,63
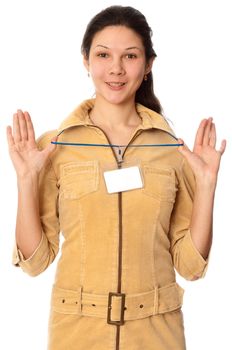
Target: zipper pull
120,160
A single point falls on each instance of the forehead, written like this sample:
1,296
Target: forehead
118,37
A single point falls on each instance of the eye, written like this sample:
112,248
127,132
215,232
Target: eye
131,55
102,54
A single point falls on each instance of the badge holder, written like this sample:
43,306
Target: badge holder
127,178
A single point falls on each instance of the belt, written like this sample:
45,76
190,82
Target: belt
117,308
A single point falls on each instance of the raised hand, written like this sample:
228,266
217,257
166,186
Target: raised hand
204,159
25,155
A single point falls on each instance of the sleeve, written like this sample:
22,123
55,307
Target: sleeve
48,247
187,260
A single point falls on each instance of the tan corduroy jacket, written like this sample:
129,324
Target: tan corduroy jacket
127,243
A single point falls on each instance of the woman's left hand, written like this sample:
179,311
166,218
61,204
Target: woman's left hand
204,159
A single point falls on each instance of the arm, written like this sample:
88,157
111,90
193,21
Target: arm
204,161
28,226
28,162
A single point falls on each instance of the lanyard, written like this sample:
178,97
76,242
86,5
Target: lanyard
117,146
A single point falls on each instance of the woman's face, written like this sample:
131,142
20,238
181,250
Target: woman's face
117,64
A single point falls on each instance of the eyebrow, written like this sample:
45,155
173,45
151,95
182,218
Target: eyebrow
128,48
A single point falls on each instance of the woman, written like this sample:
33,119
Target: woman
131,200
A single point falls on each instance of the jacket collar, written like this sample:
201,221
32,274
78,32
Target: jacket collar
80,117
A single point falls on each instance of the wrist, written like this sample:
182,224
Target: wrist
31,179
208,183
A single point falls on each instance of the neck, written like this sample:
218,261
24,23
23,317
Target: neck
114,116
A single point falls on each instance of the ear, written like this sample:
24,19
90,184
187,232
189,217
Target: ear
86,62
149,65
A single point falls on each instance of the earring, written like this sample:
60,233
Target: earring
88,74
145,77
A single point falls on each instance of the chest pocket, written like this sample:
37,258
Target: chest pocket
78,179
159,183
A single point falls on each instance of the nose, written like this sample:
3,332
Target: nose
117,67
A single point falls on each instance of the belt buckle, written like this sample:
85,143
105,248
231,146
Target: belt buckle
121,321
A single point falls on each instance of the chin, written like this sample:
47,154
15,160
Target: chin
116,100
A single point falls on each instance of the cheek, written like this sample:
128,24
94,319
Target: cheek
96,70
137,77
136,71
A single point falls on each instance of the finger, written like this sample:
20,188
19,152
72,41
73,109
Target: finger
180,142
183,149
200,133
22,125
223,147
207,132
10,138
213,136
54,139
30,127
50,147
16,128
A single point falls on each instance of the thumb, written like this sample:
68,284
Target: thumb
50,147
183,149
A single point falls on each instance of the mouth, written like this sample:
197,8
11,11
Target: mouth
115,84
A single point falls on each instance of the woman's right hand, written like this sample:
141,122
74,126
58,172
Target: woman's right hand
26,157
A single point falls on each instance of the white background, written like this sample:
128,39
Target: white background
41,71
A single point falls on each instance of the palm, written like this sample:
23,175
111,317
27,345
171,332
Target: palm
205,159
24,153
26,158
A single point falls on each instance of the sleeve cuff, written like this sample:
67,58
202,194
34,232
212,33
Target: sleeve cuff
32,265
193,260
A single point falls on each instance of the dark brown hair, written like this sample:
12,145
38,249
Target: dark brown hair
131,18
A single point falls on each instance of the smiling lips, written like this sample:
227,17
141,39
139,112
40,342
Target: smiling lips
115,85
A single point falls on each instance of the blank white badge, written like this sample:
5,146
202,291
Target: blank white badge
125,179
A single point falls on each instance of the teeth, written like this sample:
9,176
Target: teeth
116,84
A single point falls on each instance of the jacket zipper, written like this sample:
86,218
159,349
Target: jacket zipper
119,161
119,289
